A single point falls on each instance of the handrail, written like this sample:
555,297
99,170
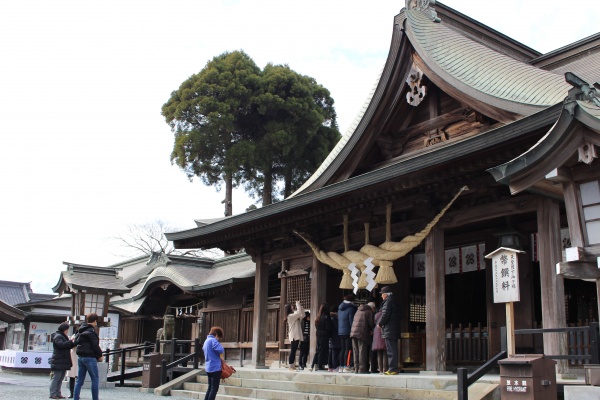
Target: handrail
465,380
164,367
123,351
594,355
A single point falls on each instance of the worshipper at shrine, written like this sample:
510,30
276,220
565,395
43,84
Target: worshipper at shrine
390,328
305,344
360,333
333,360
324,329
346,311
379,346
295,330
89,352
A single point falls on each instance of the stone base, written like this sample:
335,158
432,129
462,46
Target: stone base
435,373
573,392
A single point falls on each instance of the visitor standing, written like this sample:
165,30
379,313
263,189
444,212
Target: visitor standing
305,345
213,352
390,328
379,346
333,360
61,360
346,311
361,331
295,331
72,374
89,353
324,328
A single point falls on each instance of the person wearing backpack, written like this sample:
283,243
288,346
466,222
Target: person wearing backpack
61,359
89,352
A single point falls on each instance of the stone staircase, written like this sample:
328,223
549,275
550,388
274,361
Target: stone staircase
250,383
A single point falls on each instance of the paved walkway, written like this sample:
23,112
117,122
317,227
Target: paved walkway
16,386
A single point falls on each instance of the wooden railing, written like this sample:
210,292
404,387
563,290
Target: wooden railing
466,345
141,349
167,368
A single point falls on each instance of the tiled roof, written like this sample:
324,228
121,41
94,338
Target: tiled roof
14,292
587,68
80,277
480,71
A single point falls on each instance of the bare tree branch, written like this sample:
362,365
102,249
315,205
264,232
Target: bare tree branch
140,239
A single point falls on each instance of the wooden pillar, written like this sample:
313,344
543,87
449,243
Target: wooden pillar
282,301
552,284
318,284
259,324
435,275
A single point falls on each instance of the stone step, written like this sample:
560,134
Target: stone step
303,385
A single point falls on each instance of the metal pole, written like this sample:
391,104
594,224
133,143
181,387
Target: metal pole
196,352
163,372
107,356
594,342
173,344
122,377
463,383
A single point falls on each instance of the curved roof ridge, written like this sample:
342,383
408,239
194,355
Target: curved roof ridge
343,140
473,68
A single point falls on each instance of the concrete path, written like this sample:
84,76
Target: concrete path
16,386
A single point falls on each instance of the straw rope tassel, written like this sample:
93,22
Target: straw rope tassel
346,282
386,274
362,280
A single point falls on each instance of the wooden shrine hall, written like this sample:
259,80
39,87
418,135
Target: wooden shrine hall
457,105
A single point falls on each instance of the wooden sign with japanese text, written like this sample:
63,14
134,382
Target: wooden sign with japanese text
505,273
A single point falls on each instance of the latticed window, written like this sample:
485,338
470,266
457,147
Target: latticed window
298,288
590,201
94,303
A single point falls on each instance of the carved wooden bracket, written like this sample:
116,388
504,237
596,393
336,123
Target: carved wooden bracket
587,153
417,92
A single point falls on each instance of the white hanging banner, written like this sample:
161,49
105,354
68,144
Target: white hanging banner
452,261
469,258
419,265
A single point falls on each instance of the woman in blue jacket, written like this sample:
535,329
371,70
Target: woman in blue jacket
213,351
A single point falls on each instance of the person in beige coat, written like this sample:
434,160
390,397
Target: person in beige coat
295,335
72,373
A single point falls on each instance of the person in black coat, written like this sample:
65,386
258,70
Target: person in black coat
324,329
390,328
61,360
89,352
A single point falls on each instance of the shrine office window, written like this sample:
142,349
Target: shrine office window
94,303
590,202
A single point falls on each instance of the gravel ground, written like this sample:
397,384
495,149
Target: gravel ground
17,386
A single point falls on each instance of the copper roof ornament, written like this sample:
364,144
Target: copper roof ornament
425,6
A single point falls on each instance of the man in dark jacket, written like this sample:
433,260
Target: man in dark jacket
346,311
61,359
390,328
89,352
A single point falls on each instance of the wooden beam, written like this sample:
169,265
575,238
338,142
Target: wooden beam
432,124
578,269
469,215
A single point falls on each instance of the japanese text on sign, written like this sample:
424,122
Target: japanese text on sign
505,266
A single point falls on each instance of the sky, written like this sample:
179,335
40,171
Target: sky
84,150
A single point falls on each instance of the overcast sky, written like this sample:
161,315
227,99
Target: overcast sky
84,151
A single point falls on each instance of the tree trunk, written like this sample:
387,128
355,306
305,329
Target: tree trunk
228,195
268,188
287,188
